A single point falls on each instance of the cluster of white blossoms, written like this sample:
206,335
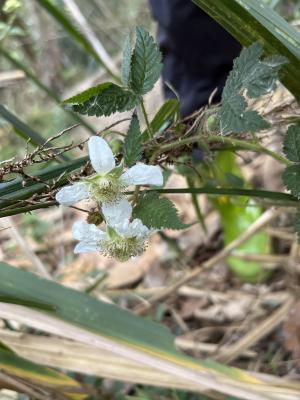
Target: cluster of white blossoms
123,238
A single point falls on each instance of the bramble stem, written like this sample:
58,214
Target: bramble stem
238,144
150,133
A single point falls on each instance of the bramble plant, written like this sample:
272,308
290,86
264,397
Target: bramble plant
123,179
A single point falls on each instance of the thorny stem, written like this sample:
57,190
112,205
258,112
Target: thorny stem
235,143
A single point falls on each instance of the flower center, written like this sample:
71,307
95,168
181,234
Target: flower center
122,248
106,189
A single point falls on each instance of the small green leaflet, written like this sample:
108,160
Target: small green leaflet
145,63
249,77
291,179
104,99
291,148
291,143
133,143
157,212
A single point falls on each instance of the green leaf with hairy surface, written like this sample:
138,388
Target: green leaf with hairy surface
291,143
253,77
104,99
291,179
235,118
251,73
133,143
157,212
126,61
145,63
250,21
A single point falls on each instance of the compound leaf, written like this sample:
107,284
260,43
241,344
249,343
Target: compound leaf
157,212
133,143
291,143
145,63
104,99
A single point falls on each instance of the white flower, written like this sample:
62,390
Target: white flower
109,182
122,240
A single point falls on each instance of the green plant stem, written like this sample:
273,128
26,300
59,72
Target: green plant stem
150,133
235,143
266,194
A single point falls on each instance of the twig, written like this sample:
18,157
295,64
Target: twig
229,352
208,348
16,384
92,38
36,262
262,221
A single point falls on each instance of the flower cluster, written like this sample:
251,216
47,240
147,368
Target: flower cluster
124,238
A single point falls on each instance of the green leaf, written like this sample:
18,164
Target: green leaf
235,118
126,61
256,76
133,143
42,377
145,63
157,212
291,179
291,143
250,21
116,331
104,99
253,77
166,112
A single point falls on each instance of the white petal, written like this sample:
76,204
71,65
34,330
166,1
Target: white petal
132,229
114,213
142,174
83,231
101,156
85,247
69,195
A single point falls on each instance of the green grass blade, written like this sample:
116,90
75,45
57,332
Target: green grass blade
14,190
25,131
42,377
250,21
83,318
43,87
80,39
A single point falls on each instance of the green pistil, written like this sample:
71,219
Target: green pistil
106,189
